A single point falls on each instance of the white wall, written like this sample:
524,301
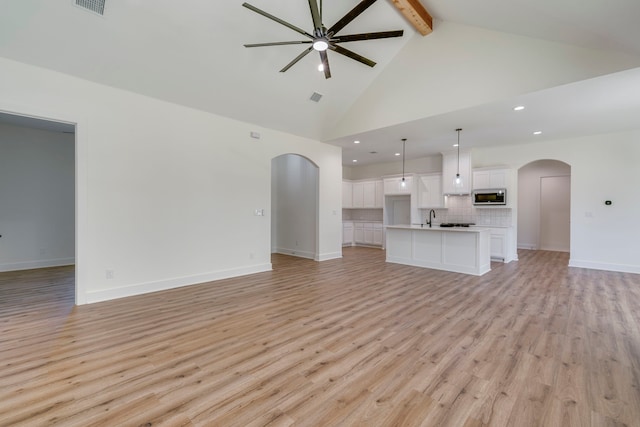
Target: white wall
469,66
166,194
603,167
529,201
376,170
36,198
294,206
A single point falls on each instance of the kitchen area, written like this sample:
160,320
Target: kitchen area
432,221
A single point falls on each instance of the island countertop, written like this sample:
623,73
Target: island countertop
474,229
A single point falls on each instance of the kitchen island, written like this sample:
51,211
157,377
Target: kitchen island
461,250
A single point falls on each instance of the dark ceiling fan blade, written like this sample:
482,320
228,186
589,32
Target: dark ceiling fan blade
367,36
278,20
352,55
325,64
297,58
315,15
350,16
278,43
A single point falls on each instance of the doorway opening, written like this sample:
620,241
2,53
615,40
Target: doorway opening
294,206
544,206
38,193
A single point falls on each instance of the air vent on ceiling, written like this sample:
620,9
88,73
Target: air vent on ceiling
316,97
95,6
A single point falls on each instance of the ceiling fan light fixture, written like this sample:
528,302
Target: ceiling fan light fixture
323,38
320,44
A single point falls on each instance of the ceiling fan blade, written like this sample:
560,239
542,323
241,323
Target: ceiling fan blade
350,16
325,64
367,36
278,20
352,55
278,43
315,15
297,58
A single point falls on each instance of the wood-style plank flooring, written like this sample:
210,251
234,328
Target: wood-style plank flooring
349,342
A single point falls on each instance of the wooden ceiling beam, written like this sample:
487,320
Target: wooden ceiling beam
416,14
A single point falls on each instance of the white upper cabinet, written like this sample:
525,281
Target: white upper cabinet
362,194
369,194
379,194
358,195
430,191
394,185
491,178
449,170
347,194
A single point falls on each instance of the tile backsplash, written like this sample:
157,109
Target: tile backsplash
460,209
362,214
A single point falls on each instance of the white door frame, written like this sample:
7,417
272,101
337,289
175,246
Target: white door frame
81,158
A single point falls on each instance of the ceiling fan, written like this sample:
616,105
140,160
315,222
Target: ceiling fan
323,38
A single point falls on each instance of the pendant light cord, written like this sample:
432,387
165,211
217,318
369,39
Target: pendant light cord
458,130
404,142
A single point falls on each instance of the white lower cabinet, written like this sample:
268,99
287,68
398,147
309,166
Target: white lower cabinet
347,233
358,233
499,238
368,233
378,237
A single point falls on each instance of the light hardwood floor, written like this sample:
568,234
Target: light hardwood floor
354,341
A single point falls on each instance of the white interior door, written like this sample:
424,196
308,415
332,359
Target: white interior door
555,197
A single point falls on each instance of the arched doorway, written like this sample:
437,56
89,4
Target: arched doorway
544,203
294,206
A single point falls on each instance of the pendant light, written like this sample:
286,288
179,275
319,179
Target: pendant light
403,183
458,181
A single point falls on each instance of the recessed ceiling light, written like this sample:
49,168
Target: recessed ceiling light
355,161
321,67
518,108
455,145
538,132
356,142
397,154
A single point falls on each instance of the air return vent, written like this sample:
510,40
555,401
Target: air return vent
95,6
316,97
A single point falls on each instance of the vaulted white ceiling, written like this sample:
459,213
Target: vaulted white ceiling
191,53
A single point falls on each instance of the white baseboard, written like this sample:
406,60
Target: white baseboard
30,265
177,282
328,256
623,268
295,252
308,255
528,246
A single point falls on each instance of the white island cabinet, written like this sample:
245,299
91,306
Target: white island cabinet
461,250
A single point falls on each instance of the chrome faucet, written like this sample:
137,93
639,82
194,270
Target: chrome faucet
434,215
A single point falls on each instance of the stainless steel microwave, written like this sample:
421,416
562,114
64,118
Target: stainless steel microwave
492,196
